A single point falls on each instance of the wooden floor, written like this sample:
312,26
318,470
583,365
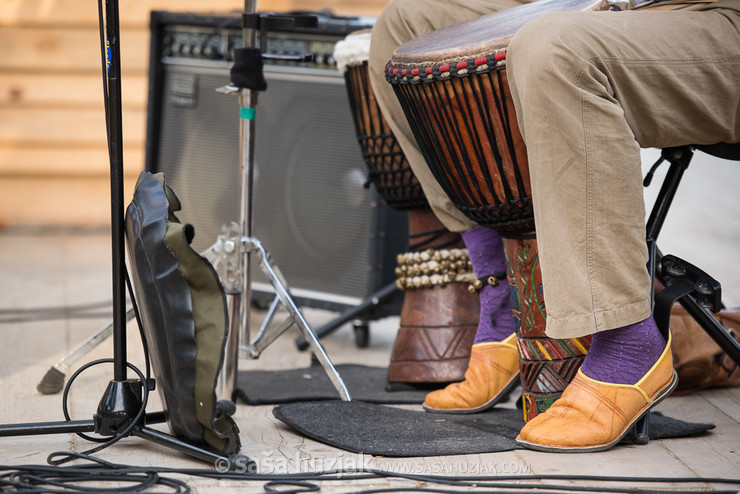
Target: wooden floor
69,268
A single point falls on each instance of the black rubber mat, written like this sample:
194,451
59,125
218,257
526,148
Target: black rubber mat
312,384
388,431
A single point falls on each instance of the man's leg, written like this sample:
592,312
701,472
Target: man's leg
493,370
590,89
493,366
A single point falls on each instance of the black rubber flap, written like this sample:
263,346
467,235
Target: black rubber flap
163,297
387,431
183,314
364,383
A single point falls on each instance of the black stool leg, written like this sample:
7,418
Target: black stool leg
679,158
705,296
641,429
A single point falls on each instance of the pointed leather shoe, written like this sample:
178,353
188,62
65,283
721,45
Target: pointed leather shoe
493,372
593,415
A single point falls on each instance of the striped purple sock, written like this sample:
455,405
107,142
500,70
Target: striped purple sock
486,254
624,355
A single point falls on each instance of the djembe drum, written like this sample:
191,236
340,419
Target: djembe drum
439,317
452,85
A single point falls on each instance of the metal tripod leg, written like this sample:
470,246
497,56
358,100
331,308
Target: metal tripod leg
247,81
269,333
365,306
53,380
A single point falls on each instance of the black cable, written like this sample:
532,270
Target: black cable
42,478
497,482
68,386
52,317
140,325
54,310
82,311
307,482
66,456
297,486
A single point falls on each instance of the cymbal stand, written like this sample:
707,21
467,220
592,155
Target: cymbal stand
233,251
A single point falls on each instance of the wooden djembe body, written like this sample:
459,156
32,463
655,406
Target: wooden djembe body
439,316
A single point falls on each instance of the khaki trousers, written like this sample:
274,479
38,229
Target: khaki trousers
591,89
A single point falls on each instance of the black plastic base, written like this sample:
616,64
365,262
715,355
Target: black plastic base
118,407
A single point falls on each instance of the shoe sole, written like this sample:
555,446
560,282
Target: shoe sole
603,447
505,391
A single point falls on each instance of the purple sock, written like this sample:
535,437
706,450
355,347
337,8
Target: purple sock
624,355
486,254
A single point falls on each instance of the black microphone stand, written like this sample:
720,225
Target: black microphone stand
121,409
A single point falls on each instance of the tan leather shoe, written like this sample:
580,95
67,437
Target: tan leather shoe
593,416
493,371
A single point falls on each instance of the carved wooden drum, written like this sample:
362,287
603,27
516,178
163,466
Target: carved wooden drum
439,316
453,87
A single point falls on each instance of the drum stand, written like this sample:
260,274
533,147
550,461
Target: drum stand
232,252
354,313
122,409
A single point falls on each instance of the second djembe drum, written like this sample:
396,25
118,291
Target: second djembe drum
439,317
452,85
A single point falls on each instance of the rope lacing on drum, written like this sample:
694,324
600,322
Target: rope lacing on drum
442,71
430,237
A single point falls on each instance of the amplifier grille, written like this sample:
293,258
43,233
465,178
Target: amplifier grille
331,237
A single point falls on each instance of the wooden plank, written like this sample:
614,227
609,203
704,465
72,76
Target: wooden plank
55,49
85,127
131,13
73,201
30,161
43,269
726,400
69,90
620,460
136,12
712,454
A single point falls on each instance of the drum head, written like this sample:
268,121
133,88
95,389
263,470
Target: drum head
482,36
352,50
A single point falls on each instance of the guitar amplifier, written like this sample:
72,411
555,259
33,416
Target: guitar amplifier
333,238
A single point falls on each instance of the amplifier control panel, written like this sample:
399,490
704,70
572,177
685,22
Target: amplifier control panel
209,38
